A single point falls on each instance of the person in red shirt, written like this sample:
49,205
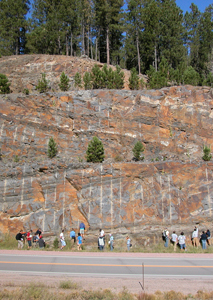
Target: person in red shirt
29,238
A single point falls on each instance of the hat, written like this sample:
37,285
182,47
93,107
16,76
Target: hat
40,236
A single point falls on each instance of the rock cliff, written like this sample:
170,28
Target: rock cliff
173,186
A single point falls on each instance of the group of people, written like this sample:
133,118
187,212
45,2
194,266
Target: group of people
203,239
36,239
79,239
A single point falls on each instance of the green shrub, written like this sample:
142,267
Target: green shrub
4,84
206,151
55,243
16,158
95,151
98,78
77,80
87,81
134,80
26,91
209,80
42,86
68,285
64,82
190,76
160,78
137,150
119,78
52,148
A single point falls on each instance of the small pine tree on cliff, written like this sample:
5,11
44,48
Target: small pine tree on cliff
134,80
77,80
95,151
42,86
52,148
4,85
137,150
64,82
206,151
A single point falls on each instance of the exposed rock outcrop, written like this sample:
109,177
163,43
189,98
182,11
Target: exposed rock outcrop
172,186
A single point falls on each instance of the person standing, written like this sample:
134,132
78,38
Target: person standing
79,241
82,229
195,239
72,235
41,242
166,235
128,243
101,243
203,239
62,239
111,241
182,241
29,239
19,238
174,239
208,235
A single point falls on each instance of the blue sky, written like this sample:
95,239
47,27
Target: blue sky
201,4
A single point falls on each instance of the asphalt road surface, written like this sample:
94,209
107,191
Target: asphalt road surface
107,265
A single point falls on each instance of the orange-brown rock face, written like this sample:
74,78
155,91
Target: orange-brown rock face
173,185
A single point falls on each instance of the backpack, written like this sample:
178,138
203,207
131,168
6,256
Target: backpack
17,236
164,233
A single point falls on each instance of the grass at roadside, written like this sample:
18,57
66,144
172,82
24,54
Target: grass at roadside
71,290
9,242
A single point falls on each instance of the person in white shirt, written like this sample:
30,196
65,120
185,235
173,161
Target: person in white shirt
182,241
195,239
174,239
63,243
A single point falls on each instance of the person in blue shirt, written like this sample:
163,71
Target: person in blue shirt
82,229
72,235
79,241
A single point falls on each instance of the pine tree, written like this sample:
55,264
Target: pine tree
95,151
108,15
52,148
206,151
13,26
87,81
64,82
42,86
137,150
134,80
4,84
77,80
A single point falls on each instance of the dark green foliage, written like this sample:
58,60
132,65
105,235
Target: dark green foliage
77,79
42,86
16,158
98,78
190,76
64,82
133,80
87,81
52,148
160,78
26,91
107,78
13,26
55,243
95,151
4,84
209,79
137,150
206,151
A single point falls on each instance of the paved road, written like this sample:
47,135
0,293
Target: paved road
107,265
